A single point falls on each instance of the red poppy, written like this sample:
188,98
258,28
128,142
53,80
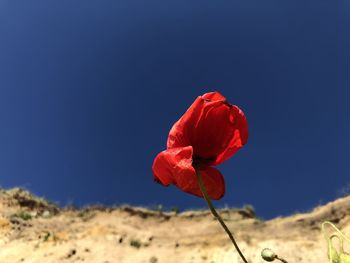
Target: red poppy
209,133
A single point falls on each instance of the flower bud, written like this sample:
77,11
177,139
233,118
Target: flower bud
268,255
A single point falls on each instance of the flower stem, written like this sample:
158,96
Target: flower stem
281,259
216,215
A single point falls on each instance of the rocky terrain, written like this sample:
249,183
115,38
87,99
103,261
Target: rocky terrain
35,230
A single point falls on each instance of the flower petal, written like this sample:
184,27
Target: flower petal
174,166
213,182
212,133
213,96
239,138
213,127
172,163
220,132
182,131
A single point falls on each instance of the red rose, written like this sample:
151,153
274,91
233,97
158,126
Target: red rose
210,132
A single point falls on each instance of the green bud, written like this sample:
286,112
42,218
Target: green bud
268,255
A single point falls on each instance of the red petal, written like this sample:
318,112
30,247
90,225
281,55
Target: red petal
174,166
213,127
239,138
182,130
213,131
213,96
220,132
213,182
180,133
172,163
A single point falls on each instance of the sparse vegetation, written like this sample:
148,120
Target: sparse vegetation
249,208
26,199
86,214
175,209
135,243
23,215
142,230
46,237
258,220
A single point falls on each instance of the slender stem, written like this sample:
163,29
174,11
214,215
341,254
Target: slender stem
281,259
216,215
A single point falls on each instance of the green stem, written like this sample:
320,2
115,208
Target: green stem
216,215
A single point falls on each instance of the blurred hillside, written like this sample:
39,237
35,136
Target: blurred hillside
35,230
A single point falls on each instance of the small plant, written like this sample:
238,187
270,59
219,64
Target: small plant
85,214
335,255
135,243
249,208
46,237
23,215
175,209
82,213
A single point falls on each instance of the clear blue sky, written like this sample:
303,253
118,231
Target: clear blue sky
90,89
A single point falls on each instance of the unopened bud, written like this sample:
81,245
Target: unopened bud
268,255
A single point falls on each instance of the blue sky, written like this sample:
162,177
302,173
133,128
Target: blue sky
90,89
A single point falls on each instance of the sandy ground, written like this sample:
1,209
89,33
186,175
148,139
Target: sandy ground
34,230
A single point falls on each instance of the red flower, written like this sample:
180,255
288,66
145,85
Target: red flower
209,133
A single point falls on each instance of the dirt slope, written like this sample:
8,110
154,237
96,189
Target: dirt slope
33,230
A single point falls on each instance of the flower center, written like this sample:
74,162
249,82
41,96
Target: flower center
200,161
